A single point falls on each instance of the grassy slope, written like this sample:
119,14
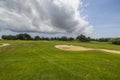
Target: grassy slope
103,45
30,60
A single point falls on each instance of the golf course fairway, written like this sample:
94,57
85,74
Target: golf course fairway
40,60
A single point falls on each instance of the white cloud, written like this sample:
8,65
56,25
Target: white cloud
50,16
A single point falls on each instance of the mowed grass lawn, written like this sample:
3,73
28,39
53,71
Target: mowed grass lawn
39,60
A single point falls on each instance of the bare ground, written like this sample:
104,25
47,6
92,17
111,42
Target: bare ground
79,48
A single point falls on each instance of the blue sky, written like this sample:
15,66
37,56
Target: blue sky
103,15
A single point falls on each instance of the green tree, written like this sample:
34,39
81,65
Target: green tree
83,38
5,37
70,39
116,41
9,37
64,38
104,39
37,38
24,36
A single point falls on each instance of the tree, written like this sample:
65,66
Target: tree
104,39
116,41
64,38
47,38
70,39
83,38
24,36
5,37
37,38
9,37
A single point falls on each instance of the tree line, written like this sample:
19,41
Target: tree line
26,36
81,38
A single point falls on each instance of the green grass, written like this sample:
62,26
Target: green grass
39,60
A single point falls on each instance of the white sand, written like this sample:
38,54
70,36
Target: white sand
72,48
79,48
4,44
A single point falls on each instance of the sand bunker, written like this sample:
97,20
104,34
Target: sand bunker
110,51
72,48
79,48
5,44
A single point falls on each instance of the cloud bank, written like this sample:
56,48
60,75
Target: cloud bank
47,16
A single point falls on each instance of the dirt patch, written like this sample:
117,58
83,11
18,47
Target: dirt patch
79,48
4,44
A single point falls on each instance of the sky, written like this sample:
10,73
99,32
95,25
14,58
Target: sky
104,15
95,18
